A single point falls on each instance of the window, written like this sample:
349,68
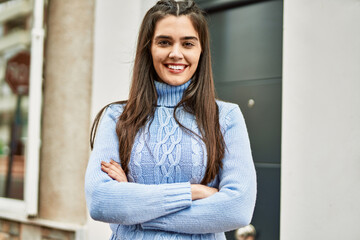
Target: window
21,61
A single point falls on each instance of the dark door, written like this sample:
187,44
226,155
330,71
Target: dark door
246,42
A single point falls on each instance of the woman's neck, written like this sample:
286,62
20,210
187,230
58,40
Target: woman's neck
168,95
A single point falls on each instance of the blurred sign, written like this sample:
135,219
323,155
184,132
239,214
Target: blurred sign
17,73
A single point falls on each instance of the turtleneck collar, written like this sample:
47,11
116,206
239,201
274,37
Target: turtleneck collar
168,95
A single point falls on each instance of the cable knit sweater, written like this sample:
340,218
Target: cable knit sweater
156,202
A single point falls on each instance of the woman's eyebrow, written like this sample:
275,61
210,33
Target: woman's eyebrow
189,38
162,37
182,38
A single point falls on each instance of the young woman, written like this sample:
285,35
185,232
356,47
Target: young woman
171,162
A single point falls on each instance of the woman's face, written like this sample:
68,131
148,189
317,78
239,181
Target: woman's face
175,49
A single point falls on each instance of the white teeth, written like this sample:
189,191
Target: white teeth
176,67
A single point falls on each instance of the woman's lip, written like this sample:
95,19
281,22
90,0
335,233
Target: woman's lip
175,70
176,64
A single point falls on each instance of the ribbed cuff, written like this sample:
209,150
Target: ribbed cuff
177,196
154,224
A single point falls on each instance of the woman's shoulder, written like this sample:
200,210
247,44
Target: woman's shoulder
226,107
117,106
114,109
229,113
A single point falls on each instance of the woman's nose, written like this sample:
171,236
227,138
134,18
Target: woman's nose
175,52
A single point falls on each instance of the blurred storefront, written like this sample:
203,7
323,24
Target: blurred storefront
15,41
31,205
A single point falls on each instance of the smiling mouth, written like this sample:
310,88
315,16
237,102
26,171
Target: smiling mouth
176,68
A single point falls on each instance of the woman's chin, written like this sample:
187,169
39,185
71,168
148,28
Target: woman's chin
174,81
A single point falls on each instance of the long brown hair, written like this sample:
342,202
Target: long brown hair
198,99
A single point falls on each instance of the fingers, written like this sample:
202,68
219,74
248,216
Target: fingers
200,191
111,167
114,170
117,165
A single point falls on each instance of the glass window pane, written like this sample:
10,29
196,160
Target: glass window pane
15,42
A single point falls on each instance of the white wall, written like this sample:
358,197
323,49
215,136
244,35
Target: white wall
320,193
116,28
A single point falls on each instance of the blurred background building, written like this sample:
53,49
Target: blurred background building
15,39
292,66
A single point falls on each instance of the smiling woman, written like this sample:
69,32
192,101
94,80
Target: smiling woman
175,49
171,162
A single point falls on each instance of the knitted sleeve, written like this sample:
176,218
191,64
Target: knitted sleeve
230,208
125,202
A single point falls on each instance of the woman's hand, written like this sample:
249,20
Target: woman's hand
114,170
199,191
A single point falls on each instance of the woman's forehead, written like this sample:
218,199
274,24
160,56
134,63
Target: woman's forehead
174,26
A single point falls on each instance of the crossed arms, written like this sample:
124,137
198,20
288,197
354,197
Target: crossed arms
177,207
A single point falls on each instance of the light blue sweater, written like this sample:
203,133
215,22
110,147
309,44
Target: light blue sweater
156,202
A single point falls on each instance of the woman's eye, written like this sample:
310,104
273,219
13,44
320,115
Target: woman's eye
188,44
164,43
